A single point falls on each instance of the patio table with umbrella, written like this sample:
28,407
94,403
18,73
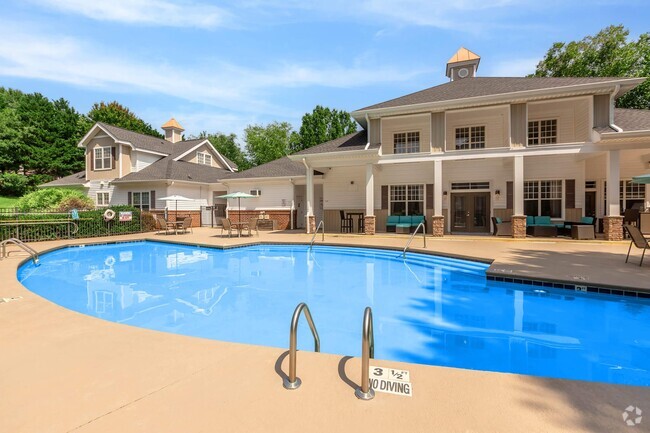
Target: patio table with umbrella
176,198
238,196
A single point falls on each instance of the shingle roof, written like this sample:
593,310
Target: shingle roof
355,141
484,86
168,169
279,168
632,120
72,180
140,141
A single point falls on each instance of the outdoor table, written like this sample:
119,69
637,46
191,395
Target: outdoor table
239,226
359,216
580,230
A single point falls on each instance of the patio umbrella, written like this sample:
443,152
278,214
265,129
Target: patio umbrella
644,178
238,196
176,198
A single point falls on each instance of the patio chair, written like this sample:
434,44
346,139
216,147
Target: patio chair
164,226
252,225
501,228
346,223
187,225
226,226
638,240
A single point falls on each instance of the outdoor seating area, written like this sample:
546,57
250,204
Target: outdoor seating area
348,223
180,226
239,227
404,223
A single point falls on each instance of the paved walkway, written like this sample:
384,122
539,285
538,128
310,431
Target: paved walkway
62,371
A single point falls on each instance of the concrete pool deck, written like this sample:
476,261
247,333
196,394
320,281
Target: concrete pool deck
62,371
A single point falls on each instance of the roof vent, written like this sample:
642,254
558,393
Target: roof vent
463,64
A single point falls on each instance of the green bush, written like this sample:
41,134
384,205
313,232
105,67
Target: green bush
13,184
148,222
79,203
48,198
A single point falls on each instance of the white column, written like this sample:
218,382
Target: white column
437,188
613,183
310,191
518,186
370,190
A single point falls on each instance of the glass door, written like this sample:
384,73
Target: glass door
460,213
471,212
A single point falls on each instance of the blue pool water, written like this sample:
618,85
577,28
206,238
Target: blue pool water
427,309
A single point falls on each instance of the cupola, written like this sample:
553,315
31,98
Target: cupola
463,64
173,131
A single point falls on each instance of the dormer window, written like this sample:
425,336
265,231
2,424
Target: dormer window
406,142
470,137
204,158
103,158
542,132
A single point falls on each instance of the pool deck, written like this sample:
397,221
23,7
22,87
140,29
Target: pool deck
61,371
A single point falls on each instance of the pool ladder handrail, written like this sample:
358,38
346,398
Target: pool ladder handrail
292,381
424,237
313,238
365,392
29,250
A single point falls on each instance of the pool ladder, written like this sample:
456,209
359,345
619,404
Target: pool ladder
424,238
364,391
313,238
23,246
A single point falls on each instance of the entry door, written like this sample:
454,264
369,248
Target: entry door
470,212
590,203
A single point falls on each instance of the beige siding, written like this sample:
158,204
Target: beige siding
125,157
438,132
191,157
392,125
344,188
276,195
496,121
601,110
101,174
572,118
518,125
375,131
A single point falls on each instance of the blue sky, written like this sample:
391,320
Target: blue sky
219,66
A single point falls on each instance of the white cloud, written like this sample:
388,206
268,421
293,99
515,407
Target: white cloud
168,13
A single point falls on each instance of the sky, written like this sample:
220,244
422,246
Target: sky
220,66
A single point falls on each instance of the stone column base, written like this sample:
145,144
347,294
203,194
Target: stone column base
438,226
519,226
369,224
311,223
613,228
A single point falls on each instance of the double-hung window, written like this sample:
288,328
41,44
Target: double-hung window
407,199
470,137
543,198
141,200
102,199
103,158
406,142
204,158
542,132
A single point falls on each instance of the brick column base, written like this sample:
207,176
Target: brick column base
438,226
369,224
311,223
613,228
519,226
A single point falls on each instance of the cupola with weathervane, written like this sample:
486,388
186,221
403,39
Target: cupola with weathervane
173,131
463,64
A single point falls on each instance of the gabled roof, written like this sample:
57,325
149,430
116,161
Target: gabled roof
72,180
140,141
282,167
169,169
488,86
355,141
631,119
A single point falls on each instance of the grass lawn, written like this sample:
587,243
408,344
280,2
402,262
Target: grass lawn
8,201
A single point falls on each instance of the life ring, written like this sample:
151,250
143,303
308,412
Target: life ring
110,261
109,215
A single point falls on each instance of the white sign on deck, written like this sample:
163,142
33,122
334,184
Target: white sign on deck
391,381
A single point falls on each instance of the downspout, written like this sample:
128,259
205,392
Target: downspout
293,201
612,103
367,129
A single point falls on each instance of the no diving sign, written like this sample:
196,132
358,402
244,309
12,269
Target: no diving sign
391,381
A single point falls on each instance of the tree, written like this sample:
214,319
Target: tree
321,125
267,143
609,53
116,114
226,144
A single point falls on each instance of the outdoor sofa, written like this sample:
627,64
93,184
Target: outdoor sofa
404,223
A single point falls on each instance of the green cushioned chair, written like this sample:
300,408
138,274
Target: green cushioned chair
392,221
530,220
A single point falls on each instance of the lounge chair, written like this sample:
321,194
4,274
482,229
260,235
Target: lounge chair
226,226
638,240
164,226
187,226
501,228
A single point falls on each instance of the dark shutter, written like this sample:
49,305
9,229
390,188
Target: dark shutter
384,196
509,196
570,202
152,197
114,154
429,197
92,159
129,198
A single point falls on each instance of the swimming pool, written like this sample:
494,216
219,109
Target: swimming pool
427,309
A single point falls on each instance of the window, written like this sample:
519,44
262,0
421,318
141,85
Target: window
470,185
407,199
141,200
632,195
542,132
103,158
406,142
543,198
204,158
470,137
102,199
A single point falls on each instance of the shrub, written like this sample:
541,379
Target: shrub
48,198
148,222
13,184
79,203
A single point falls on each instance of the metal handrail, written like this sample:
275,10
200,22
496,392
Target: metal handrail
320,225
29,250
424,237
365,392
292,381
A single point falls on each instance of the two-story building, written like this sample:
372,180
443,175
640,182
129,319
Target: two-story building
470,149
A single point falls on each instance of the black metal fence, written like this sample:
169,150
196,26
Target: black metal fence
36,226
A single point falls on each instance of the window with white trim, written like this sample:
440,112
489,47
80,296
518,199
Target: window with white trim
204,158
543,198
406,142
632,195
470,137
542,132
102,199
103,158
407,199
141,200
